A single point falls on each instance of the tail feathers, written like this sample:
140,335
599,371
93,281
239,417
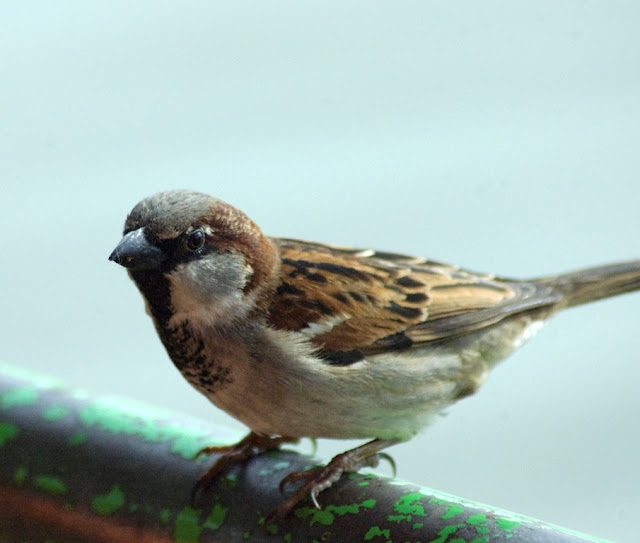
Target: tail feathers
596,283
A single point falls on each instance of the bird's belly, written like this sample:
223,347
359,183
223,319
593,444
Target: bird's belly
389,396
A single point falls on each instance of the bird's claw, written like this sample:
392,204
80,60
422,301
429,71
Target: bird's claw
232,455
319,478
388,458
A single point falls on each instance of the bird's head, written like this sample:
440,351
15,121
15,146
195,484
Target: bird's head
194,256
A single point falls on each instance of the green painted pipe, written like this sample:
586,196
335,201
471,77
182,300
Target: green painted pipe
74,468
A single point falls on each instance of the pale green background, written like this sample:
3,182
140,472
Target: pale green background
502,136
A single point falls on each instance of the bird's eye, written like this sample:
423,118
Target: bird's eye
195,240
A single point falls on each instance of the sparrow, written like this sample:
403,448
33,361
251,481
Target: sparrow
299,339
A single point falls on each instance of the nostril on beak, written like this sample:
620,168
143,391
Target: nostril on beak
137,253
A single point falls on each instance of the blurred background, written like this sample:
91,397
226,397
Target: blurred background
499,136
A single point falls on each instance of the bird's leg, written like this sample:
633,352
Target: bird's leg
320,478
251,445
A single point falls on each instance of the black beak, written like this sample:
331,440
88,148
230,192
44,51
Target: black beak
137,253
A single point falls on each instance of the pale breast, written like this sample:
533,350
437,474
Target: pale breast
276,385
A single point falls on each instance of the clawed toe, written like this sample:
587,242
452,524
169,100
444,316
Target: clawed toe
298,476
232,455
213,449
311,482
320,478
388,458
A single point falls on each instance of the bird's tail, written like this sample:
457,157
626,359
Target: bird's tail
583,286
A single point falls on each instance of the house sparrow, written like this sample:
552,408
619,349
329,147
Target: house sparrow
299,339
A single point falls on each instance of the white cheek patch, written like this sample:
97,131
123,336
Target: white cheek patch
209,290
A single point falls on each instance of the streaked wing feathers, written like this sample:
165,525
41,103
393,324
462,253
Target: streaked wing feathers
346,299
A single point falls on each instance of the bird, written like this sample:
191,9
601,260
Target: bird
298,339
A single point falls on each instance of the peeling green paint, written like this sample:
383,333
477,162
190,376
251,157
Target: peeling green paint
77,439
480,522
20,475
399,518
187,526
216,517
120,416
50,484
405,505
375,531
446,532
454,510
477,519
318,516
106,504
55,412
18,397
352,508
483,539
7,432
327,515
165,516
288,538
506,524
508,518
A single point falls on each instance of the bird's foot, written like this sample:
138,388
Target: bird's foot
232,455
320,478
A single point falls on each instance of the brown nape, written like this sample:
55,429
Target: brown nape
233,230
266,273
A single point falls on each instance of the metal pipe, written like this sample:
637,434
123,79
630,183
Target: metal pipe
75,468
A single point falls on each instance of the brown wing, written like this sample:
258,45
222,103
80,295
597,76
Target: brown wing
348,299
